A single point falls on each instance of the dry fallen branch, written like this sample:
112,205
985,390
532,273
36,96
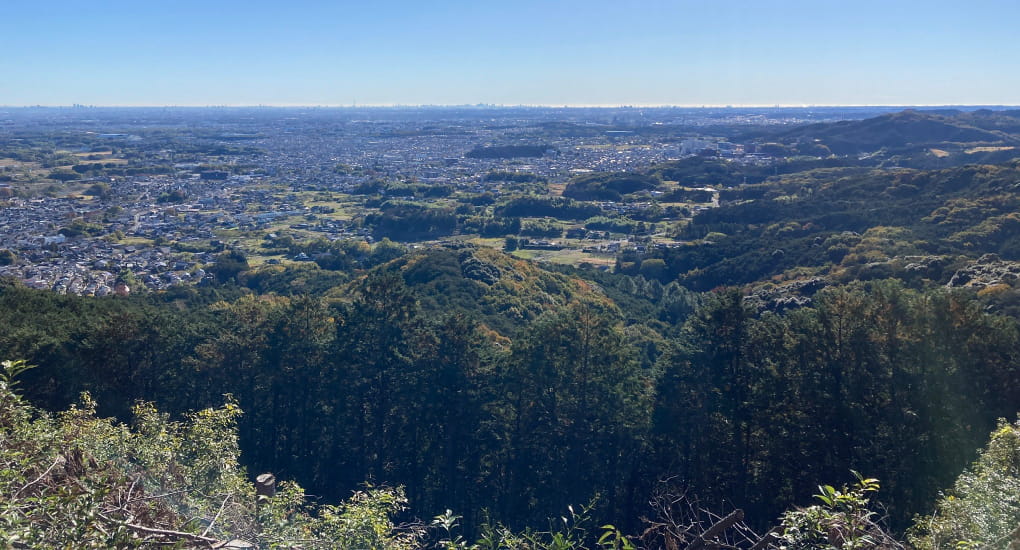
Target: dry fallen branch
717,529
681,523
178,535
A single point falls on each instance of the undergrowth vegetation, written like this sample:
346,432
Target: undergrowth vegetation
75,480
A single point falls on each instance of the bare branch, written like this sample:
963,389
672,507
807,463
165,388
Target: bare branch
766,539
217,516
41,476
153,497
180,535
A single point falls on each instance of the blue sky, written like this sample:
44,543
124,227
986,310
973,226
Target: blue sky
594,52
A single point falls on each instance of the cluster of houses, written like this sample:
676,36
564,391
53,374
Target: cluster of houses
86,246
98,267
341,157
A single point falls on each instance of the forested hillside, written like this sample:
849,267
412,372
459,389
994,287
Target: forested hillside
749,410
907,132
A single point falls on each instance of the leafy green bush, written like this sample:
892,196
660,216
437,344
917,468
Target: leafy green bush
983,508
842,521
569,532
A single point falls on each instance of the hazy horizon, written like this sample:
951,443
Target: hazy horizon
504,106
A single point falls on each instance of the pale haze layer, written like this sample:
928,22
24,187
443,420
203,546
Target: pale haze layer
594,52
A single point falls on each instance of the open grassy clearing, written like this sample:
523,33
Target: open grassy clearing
230,235
118,162
576,257
21,169
341,210
101,157
567,256
973,150
258,260
134,241
493,242
526,254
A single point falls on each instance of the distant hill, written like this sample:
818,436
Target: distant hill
909,130
902,130
1004,121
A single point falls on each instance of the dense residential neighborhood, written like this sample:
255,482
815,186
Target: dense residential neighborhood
96,197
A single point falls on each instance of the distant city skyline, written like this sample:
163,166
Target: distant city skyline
576,53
